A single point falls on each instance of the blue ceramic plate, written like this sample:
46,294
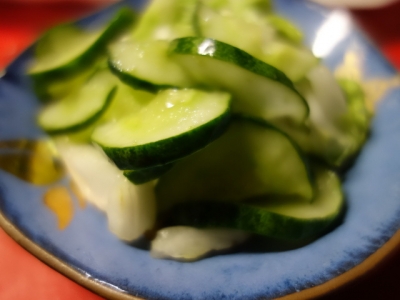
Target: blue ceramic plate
87,252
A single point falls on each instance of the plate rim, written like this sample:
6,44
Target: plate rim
356,273
103,289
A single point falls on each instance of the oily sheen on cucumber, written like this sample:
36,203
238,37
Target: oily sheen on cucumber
140,59
145,64
175,124
259,90
289,220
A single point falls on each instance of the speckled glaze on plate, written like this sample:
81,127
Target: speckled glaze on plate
88,253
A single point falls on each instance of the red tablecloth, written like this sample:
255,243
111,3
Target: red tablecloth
22,276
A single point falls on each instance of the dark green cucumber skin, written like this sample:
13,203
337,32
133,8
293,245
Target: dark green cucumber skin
41,83
214,214
141,176
123,18
89,121
135,82
230,54
170,149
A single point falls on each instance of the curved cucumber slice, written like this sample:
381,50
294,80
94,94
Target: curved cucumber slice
125,102
259,89
81,109
226,27
248,9
175,124
69,47
285,28
144,175
189,244
258,38
282,220
251,160
166,20
338,121
145,64
51,88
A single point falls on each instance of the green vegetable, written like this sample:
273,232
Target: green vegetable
175,124
251,160
68,47
214,108
81,109
259,89
287,220
145,65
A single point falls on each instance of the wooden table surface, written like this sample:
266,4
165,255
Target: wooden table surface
22,276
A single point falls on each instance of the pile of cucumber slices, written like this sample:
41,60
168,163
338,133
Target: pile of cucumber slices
200,113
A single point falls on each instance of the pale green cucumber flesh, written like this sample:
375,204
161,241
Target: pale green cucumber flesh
175,124
250,160
125,101
356,121
294,60
67,47
227,27
259,90
145,64
285,28
188,244
50,88
258,38
81,109
166,20
287,221
359,114
339,119
247,9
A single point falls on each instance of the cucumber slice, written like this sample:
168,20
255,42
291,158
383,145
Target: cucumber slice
294,60
285,28
358,114
338,121
251,160
68,47
50,88
175,124
189,244
227,27
259,90
166,20
244,9
145,64
282,220
258,38
144,175
81,109
126,101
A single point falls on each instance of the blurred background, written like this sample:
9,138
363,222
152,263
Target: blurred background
22,276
